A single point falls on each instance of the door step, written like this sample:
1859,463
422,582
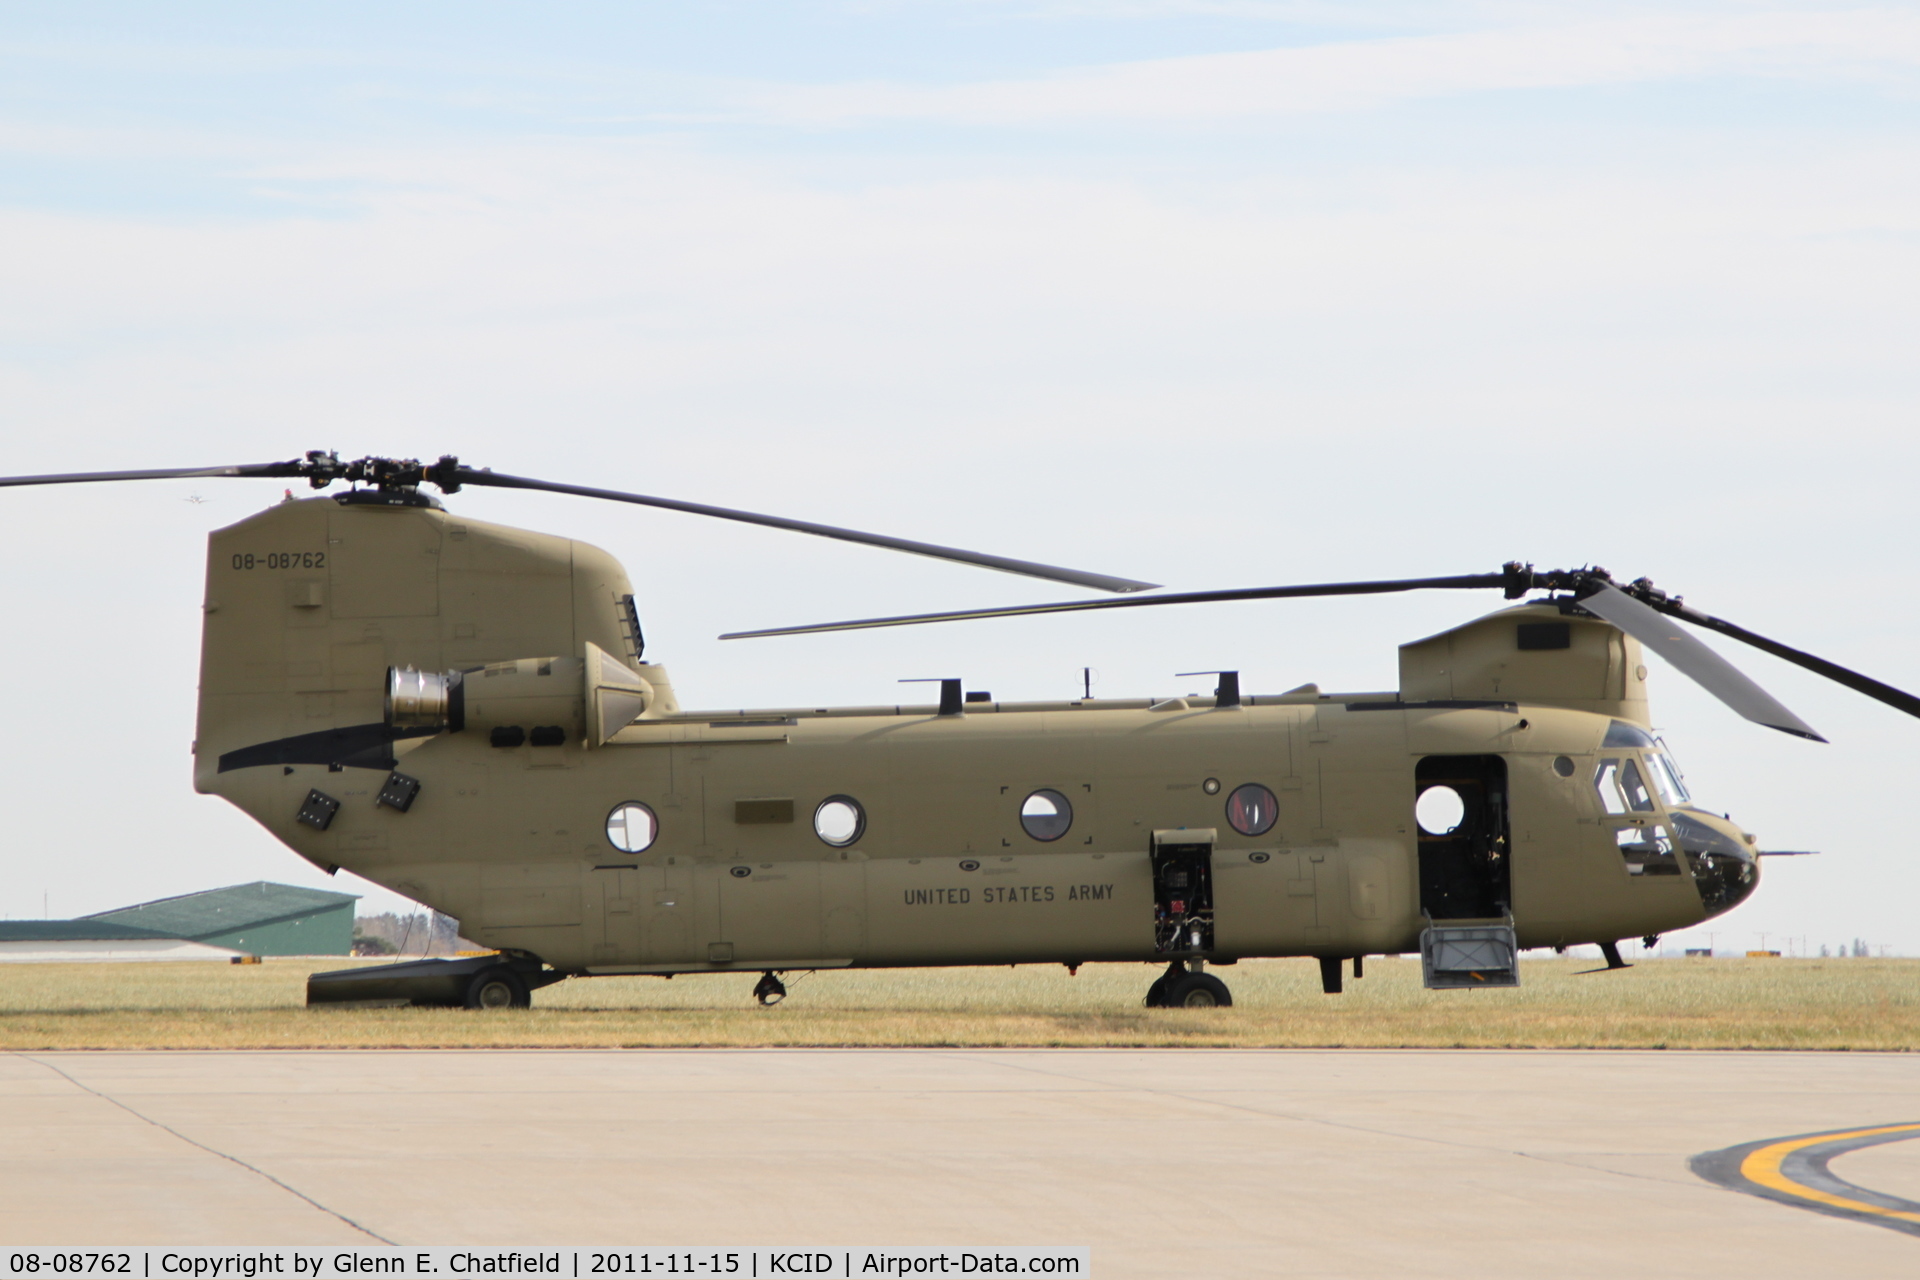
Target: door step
1469,954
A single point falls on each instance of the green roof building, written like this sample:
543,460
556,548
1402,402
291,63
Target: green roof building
262,918
74,931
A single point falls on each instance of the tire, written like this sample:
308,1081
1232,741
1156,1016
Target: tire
1198,991
498,988
1157,993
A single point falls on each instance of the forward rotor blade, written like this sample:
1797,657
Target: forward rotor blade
470,476
1705,667
1464,581
169,473
1897,698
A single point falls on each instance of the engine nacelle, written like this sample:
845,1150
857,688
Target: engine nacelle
542,700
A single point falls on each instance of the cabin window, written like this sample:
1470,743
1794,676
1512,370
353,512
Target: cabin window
839,821
631,827
1439,810
1621,788
1046,814
1252,810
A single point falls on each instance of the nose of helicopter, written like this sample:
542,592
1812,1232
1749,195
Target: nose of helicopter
1721,857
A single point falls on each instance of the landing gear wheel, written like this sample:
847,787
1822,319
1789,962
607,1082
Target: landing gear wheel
1198,991
498,988
1157,993
769,990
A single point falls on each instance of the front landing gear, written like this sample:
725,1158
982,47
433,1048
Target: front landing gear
1183,987
769,990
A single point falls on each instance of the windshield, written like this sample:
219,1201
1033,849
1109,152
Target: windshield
1666,779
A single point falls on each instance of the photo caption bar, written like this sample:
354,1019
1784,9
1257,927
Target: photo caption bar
705,1262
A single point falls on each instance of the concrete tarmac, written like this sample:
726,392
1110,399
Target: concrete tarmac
1164,1162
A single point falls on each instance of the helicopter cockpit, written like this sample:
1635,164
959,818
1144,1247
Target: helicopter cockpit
1657,827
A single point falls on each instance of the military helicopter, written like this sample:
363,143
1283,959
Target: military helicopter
464,712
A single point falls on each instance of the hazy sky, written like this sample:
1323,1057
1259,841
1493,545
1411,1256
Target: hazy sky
1212,294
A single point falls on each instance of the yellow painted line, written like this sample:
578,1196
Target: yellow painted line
1763,1168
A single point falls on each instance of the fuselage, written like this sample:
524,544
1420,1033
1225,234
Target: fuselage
1011,833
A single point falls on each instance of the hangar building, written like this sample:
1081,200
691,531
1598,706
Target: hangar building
262,918
76,941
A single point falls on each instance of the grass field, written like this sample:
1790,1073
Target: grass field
1690,1004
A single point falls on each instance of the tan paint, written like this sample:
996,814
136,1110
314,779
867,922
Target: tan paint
511,841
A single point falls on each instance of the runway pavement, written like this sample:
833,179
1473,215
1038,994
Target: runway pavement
1165,1162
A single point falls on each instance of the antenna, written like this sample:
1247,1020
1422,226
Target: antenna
950,703
1227,693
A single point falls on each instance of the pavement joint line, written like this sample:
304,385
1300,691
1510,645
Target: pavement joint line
1794,1171
1355,1128
1565,1163
212,1151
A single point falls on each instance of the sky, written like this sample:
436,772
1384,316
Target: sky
1209,293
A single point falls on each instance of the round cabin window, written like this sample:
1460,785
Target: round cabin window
631,827
1046,815
839,821
1439,811
1252,810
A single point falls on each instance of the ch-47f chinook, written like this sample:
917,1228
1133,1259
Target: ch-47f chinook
463,713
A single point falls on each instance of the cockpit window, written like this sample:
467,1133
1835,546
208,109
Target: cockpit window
1621,788
1622,734
1648,851
1638,798
1666,779
1699,839
1723,868
1606,780
1673,765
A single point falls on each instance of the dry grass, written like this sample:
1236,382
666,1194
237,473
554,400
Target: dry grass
1691,1004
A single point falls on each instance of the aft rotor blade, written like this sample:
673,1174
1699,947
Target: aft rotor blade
1462,582
1897,698
168,473
1705,667
1078,577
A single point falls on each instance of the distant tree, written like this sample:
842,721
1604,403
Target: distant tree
415,933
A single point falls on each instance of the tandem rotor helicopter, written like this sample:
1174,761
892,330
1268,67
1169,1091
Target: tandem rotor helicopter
464,713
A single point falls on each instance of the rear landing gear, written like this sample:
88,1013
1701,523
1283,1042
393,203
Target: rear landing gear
769,990
1183,988
498,987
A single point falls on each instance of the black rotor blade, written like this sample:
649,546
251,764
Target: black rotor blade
1700,664
1078,577
321,469
1462,582
169,473
1899,699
